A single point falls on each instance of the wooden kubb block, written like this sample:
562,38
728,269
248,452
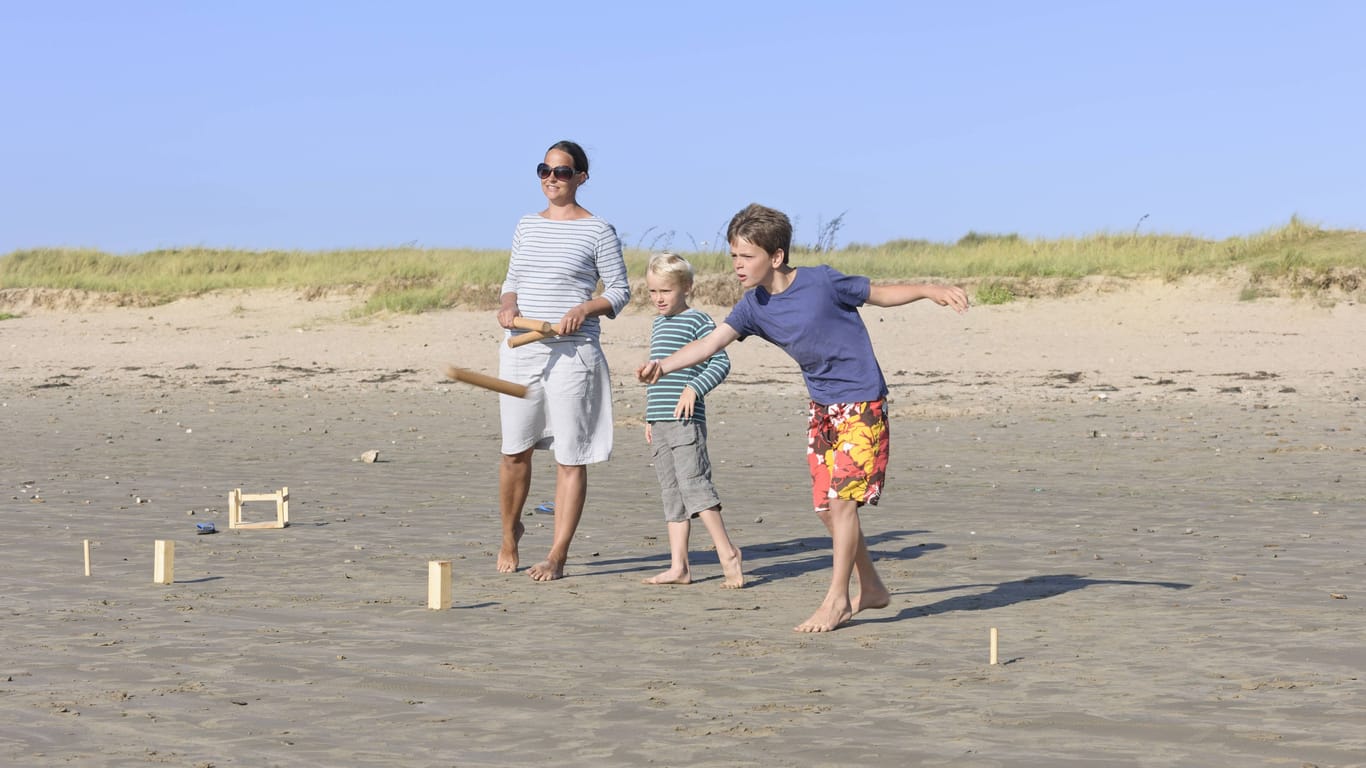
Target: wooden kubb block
280,497
163,566
439,584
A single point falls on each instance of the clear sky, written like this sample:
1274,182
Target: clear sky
142,124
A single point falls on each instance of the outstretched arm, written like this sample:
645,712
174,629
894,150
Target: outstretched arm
896,295
692,353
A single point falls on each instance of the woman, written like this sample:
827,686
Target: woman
558,257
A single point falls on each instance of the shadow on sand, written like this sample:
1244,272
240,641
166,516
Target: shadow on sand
772,561
1009,593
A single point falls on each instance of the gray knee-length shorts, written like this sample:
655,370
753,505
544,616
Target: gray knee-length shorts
684,470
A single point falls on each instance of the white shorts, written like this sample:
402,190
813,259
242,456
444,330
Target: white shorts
568,406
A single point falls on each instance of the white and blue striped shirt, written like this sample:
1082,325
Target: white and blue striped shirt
556,265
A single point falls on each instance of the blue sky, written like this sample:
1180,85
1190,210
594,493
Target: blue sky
137,125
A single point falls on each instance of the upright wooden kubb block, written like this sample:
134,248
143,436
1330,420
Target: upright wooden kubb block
163,569
439,584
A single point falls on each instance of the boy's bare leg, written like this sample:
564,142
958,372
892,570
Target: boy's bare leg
728,553
514,483
835,609
571,489
872,592
678,572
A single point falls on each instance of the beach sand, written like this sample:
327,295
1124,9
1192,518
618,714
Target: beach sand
1153,492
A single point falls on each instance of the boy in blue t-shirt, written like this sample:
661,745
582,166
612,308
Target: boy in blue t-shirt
676,423
812,314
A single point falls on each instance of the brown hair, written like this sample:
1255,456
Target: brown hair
765,227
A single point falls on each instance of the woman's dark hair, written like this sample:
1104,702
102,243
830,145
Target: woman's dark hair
575,152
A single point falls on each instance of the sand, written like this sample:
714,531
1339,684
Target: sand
1153,492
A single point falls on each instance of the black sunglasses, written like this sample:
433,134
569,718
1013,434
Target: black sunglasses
562,172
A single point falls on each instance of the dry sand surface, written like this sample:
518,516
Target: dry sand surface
1154,493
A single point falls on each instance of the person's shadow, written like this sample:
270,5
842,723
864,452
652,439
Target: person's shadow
777,559
1008,593
812,553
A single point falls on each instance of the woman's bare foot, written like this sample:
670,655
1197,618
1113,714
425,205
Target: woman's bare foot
826,619
546,570
733,567
876,597
507,553
671,576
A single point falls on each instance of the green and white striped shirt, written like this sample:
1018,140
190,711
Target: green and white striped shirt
668,335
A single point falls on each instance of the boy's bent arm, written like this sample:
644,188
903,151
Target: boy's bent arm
905,293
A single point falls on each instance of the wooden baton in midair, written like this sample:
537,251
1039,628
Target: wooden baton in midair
492,383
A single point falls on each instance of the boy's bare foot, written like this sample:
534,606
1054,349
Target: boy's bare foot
546,570
671,576
733,567
507,554
877,597
826,619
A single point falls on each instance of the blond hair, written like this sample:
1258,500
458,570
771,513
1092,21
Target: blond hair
671,266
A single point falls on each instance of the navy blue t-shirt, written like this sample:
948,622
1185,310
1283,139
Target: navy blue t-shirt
816,321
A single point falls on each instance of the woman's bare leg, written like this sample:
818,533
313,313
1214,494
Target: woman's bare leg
571,490
514,483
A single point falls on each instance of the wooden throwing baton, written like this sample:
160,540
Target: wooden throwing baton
492,383
539,329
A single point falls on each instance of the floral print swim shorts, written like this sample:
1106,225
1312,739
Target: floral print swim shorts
847,445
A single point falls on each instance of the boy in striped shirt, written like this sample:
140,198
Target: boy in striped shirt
676,423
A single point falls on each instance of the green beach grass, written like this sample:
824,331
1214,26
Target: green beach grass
1295,259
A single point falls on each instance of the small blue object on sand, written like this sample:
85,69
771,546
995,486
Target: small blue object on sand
547,508
205,528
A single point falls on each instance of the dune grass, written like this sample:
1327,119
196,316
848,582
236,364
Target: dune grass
1297,258
1274,253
